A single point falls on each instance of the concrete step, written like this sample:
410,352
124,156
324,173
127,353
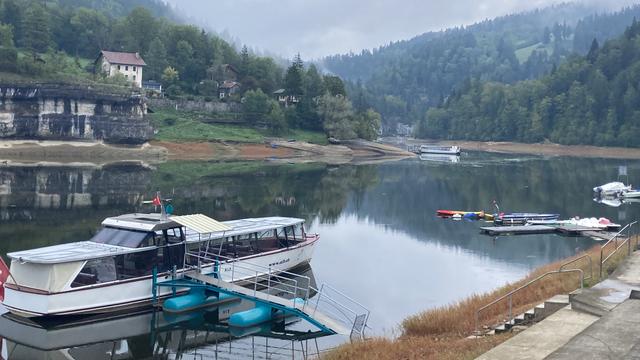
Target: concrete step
536,314
520,319
530,314
550,306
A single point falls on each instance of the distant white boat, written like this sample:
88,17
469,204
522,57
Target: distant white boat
596,223
612,189
446,150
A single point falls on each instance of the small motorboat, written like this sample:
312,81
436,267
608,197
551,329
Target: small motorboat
596,223
521,218
611,189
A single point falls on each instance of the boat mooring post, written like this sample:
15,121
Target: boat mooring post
154,286
173,279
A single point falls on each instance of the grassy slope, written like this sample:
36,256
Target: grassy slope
185,126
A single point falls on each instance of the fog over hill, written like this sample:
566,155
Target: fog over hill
318,28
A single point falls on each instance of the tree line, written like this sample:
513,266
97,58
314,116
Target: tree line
404,79
592,99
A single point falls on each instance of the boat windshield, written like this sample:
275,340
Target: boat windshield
123,237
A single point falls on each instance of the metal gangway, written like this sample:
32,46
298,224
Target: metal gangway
331,311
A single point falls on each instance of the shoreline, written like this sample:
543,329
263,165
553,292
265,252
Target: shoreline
155,152
542,149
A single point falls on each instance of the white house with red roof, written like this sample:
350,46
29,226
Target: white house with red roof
128,64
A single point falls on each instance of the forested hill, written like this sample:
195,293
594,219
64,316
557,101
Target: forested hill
592,99
120,8
402,80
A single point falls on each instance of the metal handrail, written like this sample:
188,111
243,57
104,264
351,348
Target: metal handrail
510,294
578,259
615,238
255,273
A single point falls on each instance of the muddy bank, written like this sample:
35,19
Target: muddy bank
545,149
66,152
356,151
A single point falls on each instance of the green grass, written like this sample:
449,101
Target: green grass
523,54
184,126
315,137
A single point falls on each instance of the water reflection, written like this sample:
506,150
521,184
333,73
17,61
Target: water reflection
377,222
193,335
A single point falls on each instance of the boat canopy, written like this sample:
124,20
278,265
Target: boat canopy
70,252
245,226
201,224
196,226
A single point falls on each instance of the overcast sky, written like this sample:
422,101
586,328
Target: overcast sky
316,28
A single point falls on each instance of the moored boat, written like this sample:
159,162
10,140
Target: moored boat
113,271
614,188
521,218
596,223
434,149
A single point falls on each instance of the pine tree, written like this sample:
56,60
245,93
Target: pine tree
593,51
244,62
294,80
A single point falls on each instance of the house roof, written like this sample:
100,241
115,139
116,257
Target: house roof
122,58
227,84
230,67
279,91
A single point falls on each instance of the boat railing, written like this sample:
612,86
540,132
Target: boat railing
288,285
626,236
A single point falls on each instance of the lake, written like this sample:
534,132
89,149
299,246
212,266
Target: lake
381,242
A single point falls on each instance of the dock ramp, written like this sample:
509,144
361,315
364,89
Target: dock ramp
331,311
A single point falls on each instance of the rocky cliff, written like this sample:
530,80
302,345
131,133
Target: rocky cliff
73,112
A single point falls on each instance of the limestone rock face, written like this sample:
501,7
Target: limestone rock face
66,112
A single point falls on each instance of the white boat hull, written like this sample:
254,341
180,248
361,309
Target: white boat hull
133,294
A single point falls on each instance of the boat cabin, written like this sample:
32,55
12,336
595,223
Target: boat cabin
130,246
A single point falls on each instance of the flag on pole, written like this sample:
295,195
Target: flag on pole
156,201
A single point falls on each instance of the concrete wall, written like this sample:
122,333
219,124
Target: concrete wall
57,112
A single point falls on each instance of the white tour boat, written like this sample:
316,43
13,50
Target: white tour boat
113,271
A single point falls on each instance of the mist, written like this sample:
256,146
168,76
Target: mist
316,28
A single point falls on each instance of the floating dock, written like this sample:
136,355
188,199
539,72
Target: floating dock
518,230
565,230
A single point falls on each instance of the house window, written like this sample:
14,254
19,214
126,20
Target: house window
126,68
126,76
134,69
134,78
118,67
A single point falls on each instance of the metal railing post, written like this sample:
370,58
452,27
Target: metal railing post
510,307
255,285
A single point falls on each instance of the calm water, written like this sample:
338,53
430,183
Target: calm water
381,242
